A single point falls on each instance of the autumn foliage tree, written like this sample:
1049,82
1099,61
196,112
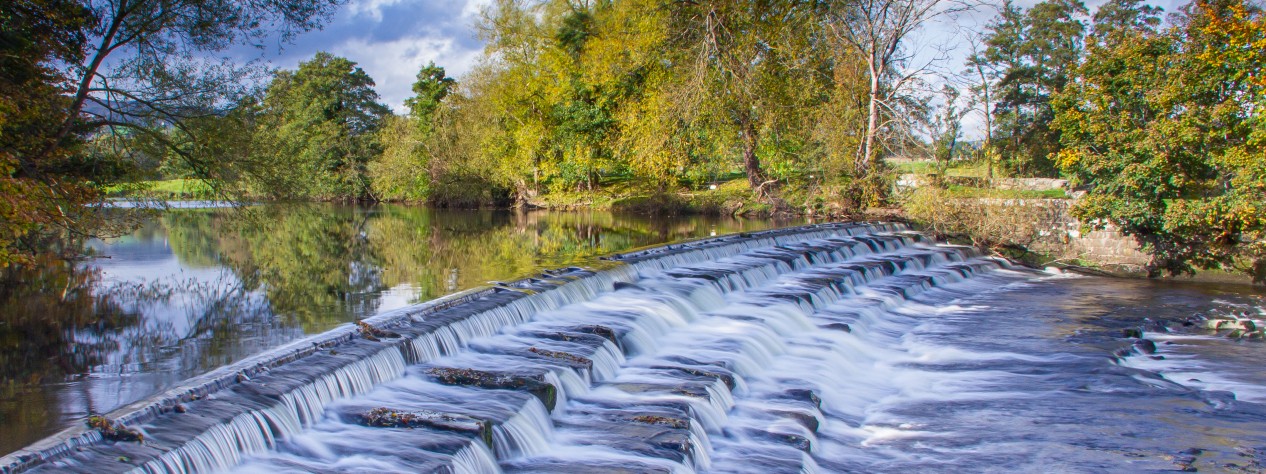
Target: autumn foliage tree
117,73
1166,130
45,194
665,93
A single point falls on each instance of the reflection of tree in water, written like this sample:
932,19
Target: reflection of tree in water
201,318
442,251
193,237
66,336
311,262
322,265
52,325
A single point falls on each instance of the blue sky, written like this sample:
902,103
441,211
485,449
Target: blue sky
393,39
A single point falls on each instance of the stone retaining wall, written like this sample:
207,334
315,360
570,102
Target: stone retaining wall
1106,247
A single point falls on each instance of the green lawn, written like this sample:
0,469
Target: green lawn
173,189
971,192
957,168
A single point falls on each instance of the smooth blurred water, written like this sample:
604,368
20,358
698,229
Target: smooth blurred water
733,360
195,289
728,359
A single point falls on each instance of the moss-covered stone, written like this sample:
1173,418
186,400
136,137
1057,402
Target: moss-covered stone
114,431
533,383
383,417
372,333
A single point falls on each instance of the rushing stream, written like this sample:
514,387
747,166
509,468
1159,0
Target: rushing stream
844,348
197,288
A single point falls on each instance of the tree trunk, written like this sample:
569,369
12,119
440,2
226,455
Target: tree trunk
85,84
872,123
536,174
988,145
751,163
988,140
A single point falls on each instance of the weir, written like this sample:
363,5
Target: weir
730,354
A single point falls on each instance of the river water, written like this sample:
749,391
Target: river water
849,349
200,287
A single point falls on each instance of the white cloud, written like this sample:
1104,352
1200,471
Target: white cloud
472,9
394,64
369,8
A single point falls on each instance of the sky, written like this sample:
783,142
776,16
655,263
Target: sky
392,39
943,40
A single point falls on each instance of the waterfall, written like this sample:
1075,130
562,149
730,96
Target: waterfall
674,359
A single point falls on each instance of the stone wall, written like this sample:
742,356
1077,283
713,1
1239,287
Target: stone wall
1105,247
1031,184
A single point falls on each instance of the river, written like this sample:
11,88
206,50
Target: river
200,287
846,348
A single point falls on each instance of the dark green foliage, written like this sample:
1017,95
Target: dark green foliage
1166,131
1036,52
575,31
318,131
430,89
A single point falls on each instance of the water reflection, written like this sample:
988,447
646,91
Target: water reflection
52,325
195,289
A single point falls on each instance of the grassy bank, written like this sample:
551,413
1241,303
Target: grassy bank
962,169
731,198
170,189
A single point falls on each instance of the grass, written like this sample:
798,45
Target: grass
971,192
958,168
729,197
169,189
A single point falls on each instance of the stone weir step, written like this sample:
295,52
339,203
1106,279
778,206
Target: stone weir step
247,406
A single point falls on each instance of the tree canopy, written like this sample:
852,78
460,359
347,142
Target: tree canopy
318,129
1166,130
89,85
1158,122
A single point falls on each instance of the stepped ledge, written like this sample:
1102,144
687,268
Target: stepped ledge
82,437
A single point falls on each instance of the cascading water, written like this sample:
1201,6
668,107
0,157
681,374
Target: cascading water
820,349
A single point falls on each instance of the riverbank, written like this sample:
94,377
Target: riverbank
167,190
903,317
1042,233
1028,226
728,198
195,289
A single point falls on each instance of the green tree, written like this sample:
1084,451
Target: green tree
1166,131
400,173
1036,52
404,170
743,65
981,76
430,89
111,71
947,128
513,88
1119,19
318,131
565,87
